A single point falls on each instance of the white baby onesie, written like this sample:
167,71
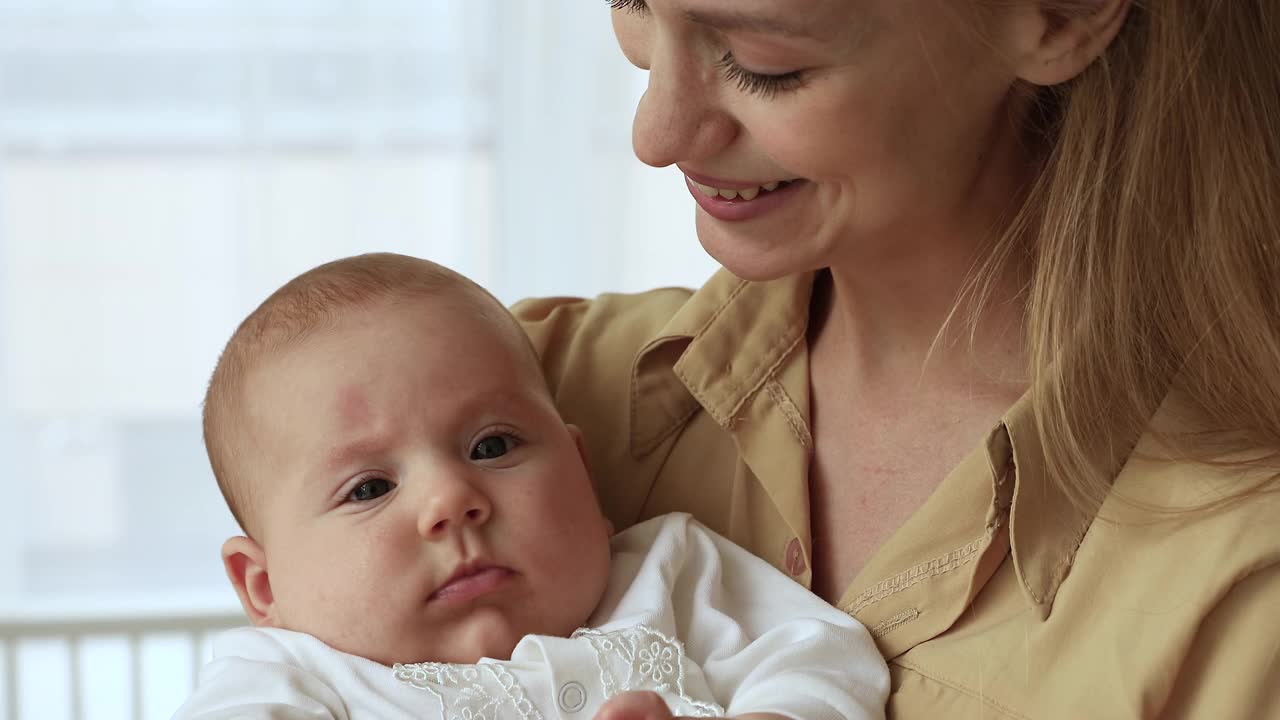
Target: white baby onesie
687,614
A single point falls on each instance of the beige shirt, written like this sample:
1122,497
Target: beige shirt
996,599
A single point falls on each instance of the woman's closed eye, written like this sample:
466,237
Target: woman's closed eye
759,83
766,85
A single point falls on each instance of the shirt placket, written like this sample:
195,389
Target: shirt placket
774,444
744,368
922,580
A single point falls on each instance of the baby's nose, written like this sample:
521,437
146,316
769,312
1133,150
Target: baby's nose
453,508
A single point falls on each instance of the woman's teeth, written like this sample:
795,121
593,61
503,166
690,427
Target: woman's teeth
745,193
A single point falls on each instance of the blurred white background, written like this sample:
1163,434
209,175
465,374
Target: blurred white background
165,164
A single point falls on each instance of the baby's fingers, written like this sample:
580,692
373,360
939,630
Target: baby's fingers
637,705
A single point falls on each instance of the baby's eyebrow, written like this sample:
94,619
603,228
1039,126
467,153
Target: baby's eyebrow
346,454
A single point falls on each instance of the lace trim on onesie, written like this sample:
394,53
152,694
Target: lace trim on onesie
644,658
482,690
636,658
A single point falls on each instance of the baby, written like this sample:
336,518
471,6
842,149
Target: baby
422,538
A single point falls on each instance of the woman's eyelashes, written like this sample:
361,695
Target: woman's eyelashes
635,6
767,86
761,84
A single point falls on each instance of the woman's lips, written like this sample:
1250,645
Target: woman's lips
730,184
737,207
471,585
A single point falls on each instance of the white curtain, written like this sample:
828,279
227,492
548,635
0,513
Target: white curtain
164,164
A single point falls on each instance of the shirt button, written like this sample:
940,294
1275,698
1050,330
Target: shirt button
795,558
573,697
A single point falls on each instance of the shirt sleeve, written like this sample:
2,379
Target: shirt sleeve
766,644
593,343
1232,669
260,683
588,349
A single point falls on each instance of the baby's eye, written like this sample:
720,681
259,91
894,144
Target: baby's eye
370,489
493,446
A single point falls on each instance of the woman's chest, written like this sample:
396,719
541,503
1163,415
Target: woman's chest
866,478
859,496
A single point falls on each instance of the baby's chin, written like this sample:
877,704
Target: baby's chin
482,635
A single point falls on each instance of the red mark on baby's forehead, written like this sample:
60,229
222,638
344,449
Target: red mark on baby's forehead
353,407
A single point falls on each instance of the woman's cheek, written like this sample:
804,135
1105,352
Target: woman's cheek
800,147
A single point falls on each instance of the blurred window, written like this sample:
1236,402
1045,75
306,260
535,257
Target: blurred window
165,164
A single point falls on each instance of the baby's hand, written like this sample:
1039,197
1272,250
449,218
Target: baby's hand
636,705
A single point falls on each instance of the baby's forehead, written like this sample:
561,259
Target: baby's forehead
485,315
344,329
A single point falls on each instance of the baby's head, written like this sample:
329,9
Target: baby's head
383,434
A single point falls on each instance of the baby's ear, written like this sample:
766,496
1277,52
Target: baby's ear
246,565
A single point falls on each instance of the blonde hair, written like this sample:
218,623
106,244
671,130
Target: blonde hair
307,304
1154,234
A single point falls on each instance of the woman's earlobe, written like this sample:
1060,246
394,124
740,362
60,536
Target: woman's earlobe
246,564
1061,45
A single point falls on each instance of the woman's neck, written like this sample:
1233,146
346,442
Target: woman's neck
907,319
897,307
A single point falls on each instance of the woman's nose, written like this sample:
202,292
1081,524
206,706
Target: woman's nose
453,505
678,118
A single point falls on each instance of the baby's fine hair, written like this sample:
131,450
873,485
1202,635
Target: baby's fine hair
313,302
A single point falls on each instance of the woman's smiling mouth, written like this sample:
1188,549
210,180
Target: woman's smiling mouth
733,200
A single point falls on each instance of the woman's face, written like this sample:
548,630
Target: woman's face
892,119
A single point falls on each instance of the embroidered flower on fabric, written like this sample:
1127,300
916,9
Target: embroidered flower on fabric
635,658
644,658
658,662
470,692
422,675
470,714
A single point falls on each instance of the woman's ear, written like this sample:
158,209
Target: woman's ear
246,566
1056,45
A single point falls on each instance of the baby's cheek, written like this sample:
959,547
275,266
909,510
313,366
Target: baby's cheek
586,575
335,588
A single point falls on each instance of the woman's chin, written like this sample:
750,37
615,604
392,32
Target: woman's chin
750,258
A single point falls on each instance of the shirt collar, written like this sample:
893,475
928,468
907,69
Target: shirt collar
715,353
731,334
1045,528
1046,525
